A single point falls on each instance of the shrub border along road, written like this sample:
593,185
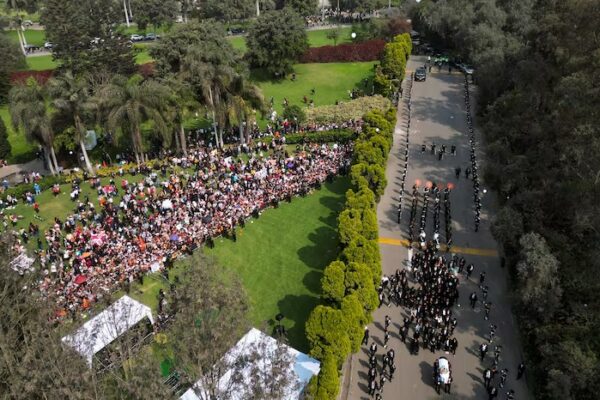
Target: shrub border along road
335,329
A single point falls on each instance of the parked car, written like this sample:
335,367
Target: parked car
27,23
420,74
151,36
136,38
48,46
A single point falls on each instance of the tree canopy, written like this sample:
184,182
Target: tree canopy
85,36
154,12
276,40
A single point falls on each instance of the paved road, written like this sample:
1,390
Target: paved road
439,115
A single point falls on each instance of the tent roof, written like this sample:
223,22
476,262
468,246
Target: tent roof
304,367
105,327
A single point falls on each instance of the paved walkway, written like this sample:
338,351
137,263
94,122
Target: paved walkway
13,171
439,115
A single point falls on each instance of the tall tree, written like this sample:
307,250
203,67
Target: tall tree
29,111
154,12
302,7
85,36
70,97
12,59
243,100
128,103
276,40
227,10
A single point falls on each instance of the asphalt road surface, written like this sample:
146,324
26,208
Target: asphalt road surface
439,115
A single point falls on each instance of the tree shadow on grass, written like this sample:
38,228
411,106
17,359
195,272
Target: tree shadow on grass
296,309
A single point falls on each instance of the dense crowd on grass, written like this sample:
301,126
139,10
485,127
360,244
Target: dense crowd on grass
97,249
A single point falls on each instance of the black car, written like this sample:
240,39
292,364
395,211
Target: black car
420,74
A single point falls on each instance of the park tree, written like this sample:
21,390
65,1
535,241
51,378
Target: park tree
33,363
303,7
356,221
332,282
244,99
334,35
85,36
276,40
154,12
537,271
327,331
29,111
5,148
508,227
359,280
228,10
12,60
364,251
127,103
70,97
366,153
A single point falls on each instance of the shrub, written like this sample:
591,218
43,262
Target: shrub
362,198
359,280
364,251
371,175
355,221
366,153
326,331
41,77
294,113
354,314
364,51
332,282
5,148
346,110
326,385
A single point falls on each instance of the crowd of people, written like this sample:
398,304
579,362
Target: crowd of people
473,155
144,226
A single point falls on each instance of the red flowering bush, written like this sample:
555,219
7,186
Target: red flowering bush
21,77
364,51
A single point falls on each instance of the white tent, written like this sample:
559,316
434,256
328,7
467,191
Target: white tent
105,327
304,367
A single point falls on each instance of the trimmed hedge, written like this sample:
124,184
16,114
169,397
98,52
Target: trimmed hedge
347,110
364,51
349,284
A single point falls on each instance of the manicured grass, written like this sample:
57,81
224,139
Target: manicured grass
143,56
331,81
238,42
315,39
35,37
41,63
280,257
20,147
319,38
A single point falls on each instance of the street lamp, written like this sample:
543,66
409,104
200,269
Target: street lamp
353,35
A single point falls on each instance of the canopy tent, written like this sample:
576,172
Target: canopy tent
304,367
105,327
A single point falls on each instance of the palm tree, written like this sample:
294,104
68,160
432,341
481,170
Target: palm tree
28,110
71,98
128,103
182,102
210,80
243,98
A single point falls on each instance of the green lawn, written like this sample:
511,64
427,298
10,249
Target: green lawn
319,38
280,257
41,63
34,37
331,81
21,149
315,39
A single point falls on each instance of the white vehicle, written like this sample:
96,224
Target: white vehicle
136,38
442,370
48,45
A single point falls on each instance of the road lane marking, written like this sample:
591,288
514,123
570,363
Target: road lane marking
453,249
